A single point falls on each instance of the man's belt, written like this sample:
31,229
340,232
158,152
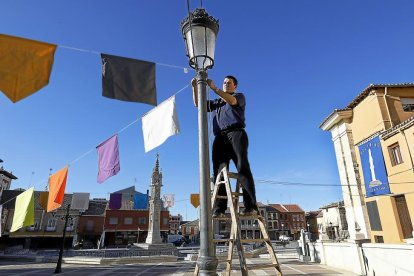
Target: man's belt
230,129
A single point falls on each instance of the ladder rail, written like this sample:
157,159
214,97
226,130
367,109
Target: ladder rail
234,222
235,239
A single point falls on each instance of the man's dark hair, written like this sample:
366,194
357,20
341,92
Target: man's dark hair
233,78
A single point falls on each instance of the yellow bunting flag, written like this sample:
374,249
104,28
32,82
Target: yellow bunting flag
23,210
25,66
43,197
195,200
57,185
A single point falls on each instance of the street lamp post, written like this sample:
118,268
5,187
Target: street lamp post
199,31
64,217
59,262
308,226
138,234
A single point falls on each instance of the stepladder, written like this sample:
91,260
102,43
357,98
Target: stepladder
233,218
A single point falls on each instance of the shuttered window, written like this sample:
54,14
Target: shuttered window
395,154
404,215
374,218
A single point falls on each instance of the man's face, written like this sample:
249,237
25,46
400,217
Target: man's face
228,85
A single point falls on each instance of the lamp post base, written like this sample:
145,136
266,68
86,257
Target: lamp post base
207,265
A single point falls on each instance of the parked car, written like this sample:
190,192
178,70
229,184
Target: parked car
285,238
177,240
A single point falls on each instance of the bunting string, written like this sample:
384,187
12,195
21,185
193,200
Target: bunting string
176,93
121,130
185,69
80,50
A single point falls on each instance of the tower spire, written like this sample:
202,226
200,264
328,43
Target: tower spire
154,234
157,163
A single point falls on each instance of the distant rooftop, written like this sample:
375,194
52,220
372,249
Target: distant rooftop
6,173
363,94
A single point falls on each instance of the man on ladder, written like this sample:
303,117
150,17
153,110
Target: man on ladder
230,142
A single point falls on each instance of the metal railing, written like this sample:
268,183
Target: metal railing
96,253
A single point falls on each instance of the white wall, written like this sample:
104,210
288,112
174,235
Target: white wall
343,255
366,259
350,180
389,259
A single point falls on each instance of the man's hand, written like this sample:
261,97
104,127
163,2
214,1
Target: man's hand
195,92
227,97
211,85
194,82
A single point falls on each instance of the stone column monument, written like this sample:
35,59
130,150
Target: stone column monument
154,241
154,235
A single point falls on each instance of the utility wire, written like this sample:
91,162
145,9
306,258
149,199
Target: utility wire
287,183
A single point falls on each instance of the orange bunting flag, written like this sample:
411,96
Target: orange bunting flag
57,185
25,66
195,200
43,198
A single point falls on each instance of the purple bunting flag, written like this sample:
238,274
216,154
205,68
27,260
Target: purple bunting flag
115,201
108,159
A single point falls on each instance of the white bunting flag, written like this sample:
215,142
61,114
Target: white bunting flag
160,123
80,201
169,200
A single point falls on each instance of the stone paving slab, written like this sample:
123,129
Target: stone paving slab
182,268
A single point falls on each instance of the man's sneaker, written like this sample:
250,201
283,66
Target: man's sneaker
249,212
218,213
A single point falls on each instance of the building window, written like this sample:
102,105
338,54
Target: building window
395,154
379,239
70,225
34,227
165,221
51,222
128,220
407,104
113,220
89,225
142,220
374,218
51,225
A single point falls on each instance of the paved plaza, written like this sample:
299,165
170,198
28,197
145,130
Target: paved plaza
181,268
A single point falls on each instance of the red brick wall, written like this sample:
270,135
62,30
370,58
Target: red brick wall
135,215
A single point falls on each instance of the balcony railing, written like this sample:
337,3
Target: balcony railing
50,228
32,228
249,226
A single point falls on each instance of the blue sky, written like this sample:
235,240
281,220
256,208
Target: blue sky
296,61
